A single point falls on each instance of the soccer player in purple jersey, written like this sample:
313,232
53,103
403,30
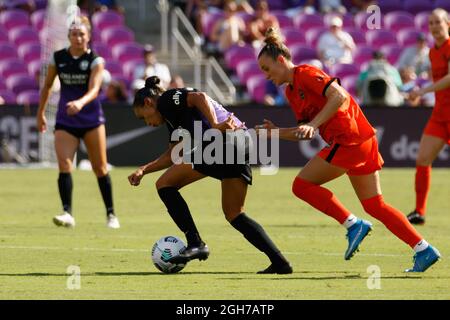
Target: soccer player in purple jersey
79,116
181,109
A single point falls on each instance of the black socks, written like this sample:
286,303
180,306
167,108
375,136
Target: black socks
105,186
179,211
256,235
65,187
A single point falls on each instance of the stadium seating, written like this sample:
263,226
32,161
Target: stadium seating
293,36
308,21
14,18
102,20
28,97
392,52
408,37
256,86
396,21
416,6
8,96
421,21
38,19
247,69
387,6
12,66
237,53
21,82
341,70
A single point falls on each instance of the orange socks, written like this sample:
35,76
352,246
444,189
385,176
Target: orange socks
320,198
393,219
423,178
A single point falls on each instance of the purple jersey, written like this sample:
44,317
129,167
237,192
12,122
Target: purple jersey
74,75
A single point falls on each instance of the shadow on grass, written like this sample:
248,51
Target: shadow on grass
112,274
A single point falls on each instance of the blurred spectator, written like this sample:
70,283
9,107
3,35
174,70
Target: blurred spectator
327,6
297,6
416,56
176,82
27,5
262,21
409,77
196,9
100,5
229,30
362,5
336,45
2,101
152,67
380,84
136,85
116,92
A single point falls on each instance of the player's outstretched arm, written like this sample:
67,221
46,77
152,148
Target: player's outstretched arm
290,134
162,162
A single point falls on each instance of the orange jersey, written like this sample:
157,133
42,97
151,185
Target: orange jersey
348,126
440,59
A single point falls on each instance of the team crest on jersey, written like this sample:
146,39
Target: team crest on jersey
84,64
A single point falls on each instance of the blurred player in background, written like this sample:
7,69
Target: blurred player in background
437,131
79,116
320,103
182,108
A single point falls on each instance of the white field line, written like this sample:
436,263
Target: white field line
147,250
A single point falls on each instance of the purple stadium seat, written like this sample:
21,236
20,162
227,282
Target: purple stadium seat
21,35
235,54
34,67
29,51
247,69
444,4
312,36
387,6
40,4
20,83
8,96
246,17
349,84
392,52
123,52
377,38
7,51
14,18
12,66
293,36
362,54
256,87
129,67
208,22
308,21
102,50
396,21
114,67
2,84
114,35
408,37
415,6
283,20
102,20
341,70
277,5
302,52
421,21
28,97
3,35
358,36
38,19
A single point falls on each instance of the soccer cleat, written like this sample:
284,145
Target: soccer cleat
355,235
425,259
112,222
64,220
416,218
200,252
281,269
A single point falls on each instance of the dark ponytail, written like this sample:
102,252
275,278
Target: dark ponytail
152,89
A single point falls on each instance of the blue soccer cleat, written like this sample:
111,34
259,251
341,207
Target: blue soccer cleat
355,235
425,259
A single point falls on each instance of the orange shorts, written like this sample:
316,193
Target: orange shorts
359,159
440,129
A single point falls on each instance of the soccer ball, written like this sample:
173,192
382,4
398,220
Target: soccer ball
164,249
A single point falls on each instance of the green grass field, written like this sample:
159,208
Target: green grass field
116,264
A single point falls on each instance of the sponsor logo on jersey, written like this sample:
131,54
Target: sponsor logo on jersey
84,64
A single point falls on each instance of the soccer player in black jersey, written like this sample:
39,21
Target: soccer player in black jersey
79,116
183,109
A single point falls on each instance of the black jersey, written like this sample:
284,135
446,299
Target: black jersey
74,75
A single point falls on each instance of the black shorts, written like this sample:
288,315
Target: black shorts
77,132
225,171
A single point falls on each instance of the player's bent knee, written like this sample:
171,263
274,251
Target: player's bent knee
299,187
100,171
231,213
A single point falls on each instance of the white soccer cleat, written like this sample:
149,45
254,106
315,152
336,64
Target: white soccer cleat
64,220
112,222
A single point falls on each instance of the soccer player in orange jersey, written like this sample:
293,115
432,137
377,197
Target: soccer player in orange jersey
321,104
437,130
